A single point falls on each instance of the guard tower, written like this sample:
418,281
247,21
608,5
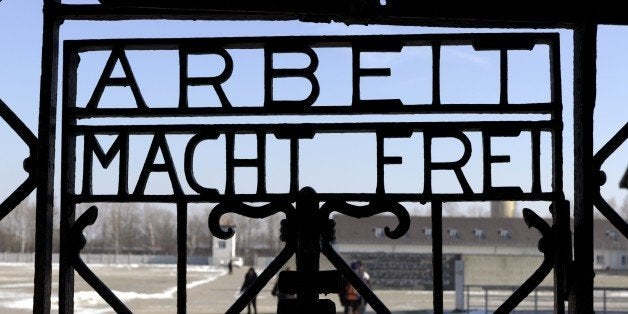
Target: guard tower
223,250
503,209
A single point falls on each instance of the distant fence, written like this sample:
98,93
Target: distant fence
607,300
95,258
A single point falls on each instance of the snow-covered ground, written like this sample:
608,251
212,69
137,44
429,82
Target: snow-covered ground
149,288
16,285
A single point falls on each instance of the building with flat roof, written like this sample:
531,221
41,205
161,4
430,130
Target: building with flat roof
486,244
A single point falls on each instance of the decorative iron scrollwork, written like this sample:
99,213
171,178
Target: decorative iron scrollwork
245,210
373,208
321,230
259,213
88,218
26,187
606,151
547,246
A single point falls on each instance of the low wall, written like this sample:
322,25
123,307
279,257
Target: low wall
414,271
90,258
501,269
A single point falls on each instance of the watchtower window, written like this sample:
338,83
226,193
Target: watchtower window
479,234
379,232
428,232
504,234
612,235
454,233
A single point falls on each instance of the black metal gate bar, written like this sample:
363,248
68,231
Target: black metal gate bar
229,198
581,19
531,14
68,180
437,256
585,52
560,208
182,256
45,160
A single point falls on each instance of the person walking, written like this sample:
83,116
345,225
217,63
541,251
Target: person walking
361,271
350,298
249,278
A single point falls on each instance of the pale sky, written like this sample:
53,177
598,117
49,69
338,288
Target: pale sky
467,76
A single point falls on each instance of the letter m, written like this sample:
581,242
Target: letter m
92,147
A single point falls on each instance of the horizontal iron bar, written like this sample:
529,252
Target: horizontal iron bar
366,42
536,108
314,127
467,14
324,197
539,288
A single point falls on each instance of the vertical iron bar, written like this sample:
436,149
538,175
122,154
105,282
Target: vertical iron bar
536,161
536,301
45,159
437,256
230,163
436,73
182,253
308,247
355,79
581,297
503,77
560,213
485,299
68,165
468,300
261,160
604,297
379,147
294,166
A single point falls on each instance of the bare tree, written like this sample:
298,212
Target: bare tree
160,228
477,211
121,228
271,232
451,209
150,233
21,227
198,232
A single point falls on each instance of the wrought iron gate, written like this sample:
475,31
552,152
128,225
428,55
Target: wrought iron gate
307,229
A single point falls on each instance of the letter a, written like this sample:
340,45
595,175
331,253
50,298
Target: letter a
117,54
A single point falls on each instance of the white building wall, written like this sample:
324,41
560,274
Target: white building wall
449,249
223,250
612,259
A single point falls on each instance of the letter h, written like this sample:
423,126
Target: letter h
259,163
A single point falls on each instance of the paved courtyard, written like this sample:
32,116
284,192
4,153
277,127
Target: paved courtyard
152,289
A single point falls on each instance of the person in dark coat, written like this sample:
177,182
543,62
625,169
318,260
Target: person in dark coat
249,278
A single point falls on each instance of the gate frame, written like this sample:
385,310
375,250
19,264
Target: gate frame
583,20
